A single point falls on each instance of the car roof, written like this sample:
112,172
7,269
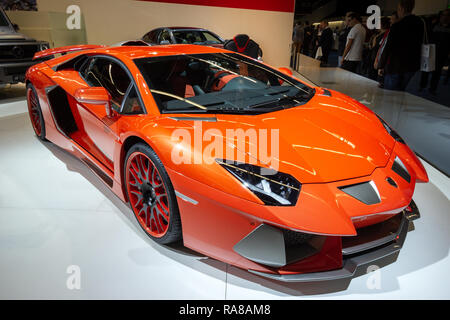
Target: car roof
135,52
179,28
186,28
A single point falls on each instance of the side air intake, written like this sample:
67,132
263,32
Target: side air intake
365,192
276,247
399,168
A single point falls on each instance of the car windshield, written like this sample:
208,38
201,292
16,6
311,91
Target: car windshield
3,19
195,37
219,83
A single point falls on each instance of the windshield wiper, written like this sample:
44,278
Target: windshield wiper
263,104
296,98
245,111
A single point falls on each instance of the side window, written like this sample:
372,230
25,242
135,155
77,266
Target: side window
165,36
209,37
101,72
132,104
154,36
150,37
147,37
84,71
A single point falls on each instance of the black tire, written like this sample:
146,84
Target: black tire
174,230
37,107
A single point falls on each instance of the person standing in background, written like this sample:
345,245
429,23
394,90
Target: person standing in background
307,39
297,42
325,42
352,56
375,44
400,59
441,38
394,19
297,37
342,39
315,40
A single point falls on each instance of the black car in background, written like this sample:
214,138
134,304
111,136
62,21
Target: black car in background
183,35
16,52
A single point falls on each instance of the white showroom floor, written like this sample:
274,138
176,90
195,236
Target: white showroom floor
56,214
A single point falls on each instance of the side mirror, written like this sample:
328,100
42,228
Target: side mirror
286,71
95,95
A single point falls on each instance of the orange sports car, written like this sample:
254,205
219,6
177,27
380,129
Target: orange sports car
243,162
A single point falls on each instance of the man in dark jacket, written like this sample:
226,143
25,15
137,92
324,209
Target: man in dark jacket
401,56
326,42
308,35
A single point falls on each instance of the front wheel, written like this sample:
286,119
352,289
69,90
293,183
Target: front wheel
151,195
35,112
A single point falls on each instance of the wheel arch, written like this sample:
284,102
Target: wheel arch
127,144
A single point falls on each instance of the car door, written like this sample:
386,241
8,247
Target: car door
99,128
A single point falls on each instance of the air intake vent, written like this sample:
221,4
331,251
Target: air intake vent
399,168
391,182
276,247
365,192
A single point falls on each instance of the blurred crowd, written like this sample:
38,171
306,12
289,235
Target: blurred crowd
391,54
27,5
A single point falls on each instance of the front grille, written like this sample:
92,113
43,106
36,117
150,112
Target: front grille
14,52
9,71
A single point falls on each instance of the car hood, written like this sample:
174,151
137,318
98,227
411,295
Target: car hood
6,34
328,139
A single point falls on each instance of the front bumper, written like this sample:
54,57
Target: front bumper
353,259
14,72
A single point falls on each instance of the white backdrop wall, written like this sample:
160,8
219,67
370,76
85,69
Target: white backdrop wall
108,22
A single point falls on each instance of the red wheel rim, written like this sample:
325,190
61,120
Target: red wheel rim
147,195
34,111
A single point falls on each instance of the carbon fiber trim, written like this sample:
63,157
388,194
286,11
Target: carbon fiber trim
380,241
350,264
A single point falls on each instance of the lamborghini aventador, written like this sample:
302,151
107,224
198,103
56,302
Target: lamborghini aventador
180,133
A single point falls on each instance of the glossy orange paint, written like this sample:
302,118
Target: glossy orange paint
66,49
327,143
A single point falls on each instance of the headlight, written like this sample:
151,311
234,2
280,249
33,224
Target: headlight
272,187
43,46
391,131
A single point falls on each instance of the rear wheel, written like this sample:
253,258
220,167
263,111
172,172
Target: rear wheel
35,112
151,195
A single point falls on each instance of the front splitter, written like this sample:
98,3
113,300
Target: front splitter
350,264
